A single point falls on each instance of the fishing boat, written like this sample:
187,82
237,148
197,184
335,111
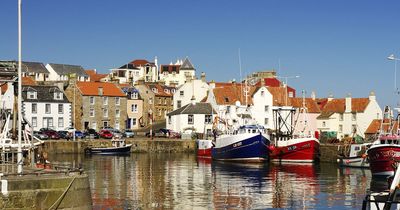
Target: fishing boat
288,147
204,148
384,152
354,155
248,143
118,147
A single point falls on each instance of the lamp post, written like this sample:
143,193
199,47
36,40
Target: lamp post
286,84
393,58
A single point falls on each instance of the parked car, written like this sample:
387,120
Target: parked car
79,134
106,134
163,132
40,135
52,134
117,133
70,129
91,133
128,133
107,128
64,134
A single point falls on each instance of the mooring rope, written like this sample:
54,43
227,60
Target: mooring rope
55,205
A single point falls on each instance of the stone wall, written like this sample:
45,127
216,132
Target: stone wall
329,153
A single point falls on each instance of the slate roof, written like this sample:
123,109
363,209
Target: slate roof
198,108
187,65
65,69
129,90
35,67
44,94
92,89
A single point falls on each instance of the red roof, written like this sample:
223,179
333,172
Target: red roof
92,89
375,126
310,104
140,62
229,93
94,77
272,82
28,81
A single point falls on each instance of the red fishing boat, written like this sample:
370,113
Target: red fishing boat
290,148
384,154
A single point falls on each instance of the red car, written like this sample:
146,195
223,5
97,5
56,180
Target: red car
105,134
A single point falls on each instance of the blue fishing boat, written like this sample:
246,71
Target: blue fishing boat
249,143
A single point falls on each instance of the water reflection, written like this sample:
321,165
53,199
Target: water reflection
182,181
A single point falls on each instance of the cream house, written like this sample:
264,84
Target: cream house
193,90
178,73
348,116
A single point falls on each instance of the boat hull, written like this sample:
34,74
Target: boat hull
111,150
302,152
383,158
243,148
204,148
356,162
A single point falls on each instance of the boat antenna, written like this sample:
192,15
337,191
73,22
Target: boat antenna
240,74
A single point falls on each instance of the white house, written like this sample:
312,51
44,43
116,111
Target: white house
136,70
62,72
195,116
46,107
194,89
178,73
349,116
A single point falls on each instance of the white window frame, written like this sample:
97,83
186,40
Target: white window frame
31,95
91,100
34,110
117,113
47,108
34,122
105,100
61,122
134,108
117,101
61,111
190,119
91,112
105,112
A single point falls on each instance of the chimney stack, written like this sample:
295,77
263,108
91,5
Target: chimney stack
203,77
348,103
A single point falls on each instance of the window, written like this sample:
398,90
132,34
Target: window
266,121
354,117
47,109
134,121
117,113
32,94
58,95
155,90
34,122
105,112
34,108
91,100
134,108
226,99
341,117
266,108
117,101
134,95
91,112
354,128
61,122
169,120
207,119
116,125
105,100
190,119
173,91
291,94
60,108
228,109
47,122
181,93
340,128
323,124
166,90
150,100
179,104
262,93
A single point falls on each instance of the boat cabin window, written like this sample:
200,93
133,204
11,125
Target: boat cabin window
254,130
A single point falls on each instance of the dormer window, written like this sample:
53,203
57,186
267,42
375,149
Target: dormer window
226,99
134,95
154,90
166,90
32,94
173,91
58,95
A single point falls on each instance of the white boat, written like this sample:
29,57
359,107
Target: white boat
354,155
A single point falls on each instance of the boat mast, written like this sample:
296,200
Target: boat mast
19,105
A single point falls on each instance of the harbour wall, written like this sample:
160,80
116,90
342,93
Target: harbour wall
328,152
45,191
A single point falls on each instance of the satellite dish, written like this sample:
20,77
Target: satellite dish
237,103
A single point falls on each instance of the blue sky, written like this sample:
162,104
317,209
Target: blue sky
336,47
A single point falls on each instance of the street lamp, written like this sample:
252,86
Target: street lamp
393,58
286,83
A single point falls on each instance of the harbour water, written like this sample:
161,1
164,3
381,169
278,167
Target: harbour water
182,181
